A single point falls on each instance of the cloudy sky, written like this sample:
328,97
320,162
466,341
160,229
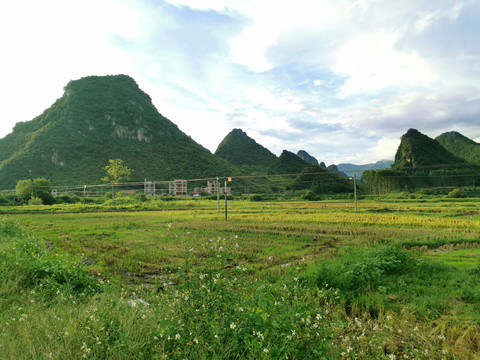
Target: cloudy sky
341,79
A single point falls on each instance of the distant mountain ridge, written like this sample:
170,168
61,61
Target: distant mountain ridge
351,169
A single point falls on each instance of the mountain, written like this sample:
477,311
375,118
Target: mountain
417,150
321,181
351,169
307,157
460,146
241,150
100,118
289,163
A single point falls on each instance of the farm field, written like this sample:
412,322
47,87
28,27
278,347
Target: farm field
399,278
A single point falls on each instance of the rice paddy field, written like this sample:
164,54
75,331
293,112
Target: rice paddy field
399,278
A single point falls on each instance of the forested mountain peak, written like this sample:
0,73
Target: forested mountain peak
100,118
241,150
307,157
460,146
419,150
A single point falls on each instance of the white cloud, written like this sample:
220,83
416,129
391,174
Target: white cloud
372,63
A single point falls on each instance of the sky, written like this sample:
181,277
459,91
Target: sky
341,79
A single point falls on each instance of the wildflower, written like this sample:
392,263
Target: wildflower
195,341
177,336
391,356
232,326
416,328
265,351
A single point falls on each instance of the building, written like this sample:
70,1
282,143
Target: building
212,188
149,188
177,187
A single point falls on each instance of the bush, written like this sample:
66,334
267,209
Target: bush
367,270
255,197
35,201
456,194
67,199
141,197
309,196
9,228
47,272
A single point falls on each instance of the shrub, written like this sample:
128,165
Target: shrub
9,228
35,201
367,270
67,199
309,196
456,194
255,197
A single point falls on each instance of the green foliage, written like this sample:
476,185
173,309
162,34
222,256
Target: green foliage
309,196
43,271
256,197
9,228
67,199
457,194
24,189
359,271
35,201
460,146
116,171
38,188
321,181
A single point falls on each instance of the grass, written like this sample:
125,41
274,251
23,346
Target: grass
185,283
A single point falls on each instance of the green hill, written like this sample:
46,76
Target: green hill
97,119
241,150
460,146
321,181
421,162
289,163
417,150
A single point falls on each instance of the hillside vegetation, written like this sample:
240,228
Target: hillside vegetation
460,146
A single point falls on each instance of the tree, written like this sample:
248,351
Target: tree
24,189
40,188
116,172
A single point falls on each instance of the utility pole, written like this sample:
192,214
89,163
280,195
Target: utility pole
355,189
226,179
225,197
217,185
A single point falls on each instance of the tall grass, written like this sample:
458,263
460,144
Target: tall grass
217,310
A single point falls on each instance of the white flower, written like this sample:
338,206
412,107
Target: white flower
265,350
232,326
